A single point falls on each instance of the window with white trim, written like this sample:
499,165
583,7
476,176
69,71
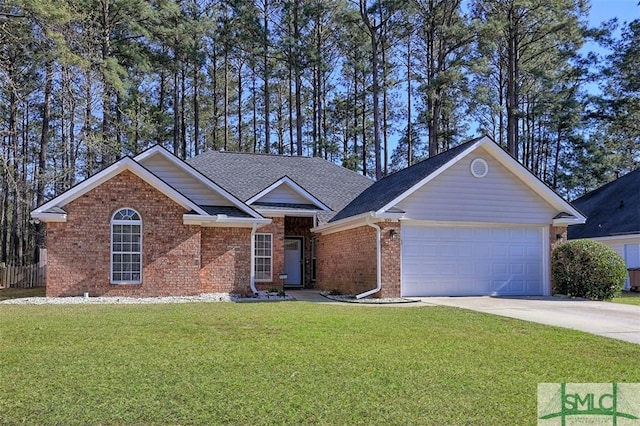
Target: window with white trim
263,258
126,247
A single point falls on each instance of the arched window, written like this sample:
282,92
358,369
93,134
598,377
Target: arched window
126,247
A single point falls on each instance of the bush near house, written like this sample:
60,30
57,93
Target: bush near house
587,268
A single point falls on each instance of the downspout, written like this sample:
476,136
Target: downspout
252,281
378,261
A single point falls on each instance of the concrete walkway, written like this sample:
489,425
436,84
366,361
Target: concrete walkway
614,320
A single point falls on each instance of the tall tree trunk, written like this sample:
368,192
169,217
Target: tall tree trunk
374,35
409,96
512,85
14,238
86,131
266,77
298,75
280,120
214,95
5,210
162,81
376,106
176,112
254,103
183,121
385,109
226,98
107,89
44,146
239,110
363,127
196,108
314,116
355,115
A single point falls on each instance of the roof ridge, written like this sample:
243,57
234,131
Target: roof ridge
262,154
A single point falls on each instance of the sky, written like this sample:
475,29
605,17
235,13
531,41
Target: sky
603,10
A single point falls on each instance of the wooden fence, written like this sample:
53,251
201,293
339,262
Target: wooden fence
29,276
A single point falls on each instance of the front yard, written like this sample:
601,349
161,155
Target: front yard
287,363
628,298
17,293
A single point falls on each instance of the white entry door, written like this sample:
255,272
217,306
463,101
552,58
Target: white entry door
293,261
471,260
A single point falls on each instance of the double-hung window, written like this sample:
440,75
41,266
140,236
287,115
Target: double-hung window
126,247
263,258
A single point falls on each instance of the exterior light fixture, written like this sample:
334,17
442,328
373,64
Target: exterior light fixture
393,234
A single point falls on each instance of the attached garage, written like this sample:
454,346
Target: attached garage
466,260
471,221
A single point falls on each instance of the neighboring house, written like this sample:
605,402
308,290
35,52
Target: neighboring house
470,221
613,213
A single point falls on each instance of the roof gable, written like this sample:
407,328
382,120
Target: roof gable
385,195
388,190
189,181
47,211
457,195
286,191
611,210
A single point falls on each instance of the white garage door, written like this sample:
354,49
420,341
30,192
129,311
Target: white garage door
471,260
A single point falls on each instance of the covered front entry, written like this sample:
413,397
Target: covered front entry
293,261
472,260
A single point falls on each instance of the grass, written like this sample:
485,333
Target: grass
287,363
17,293
628,298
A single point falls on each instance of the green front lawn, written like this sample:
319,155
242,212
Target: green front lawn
18,293
287,363
628,298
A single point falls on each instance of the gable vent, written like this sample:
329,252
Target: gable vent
479,168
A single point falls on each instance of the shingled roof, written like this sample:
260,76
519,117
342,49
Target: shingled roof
387,189
611,210
245,175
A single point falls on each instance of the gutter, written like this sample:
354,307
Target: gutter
252,274
355,221
378,260
49,217
223,221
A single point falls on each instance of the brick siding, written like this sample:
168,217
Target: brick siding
557,236
390,259
347,261
79,250
226,260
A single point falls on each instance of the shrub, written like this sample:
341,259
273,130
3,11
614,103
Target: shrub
587,268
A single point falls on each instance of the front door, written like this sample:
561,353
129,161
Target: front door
293,261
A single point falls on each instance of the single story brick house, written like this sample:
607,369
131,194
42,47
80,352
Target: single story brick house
613,212
470,221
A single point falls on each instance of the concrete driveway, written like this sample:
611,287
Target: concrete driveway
613,320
